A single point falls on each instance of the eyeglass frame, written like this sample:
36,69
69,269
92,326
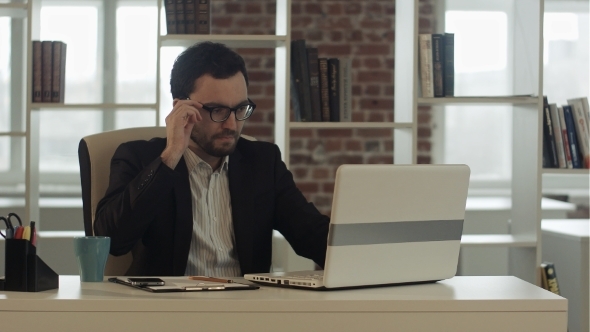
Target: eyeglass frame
234,109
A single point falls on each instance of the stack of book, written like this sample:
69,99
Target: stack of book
320,87
49,71
437,65
566,135
188,16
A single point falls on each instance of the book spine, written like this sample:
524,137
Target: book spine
295,100
170,8
551,276
334,88
46,72
584,102
437,65
180,21
314,83
566,144
582,132
548,135
37,72
345,90
190,16
299,69
426,65
557,134
203,19
572,137
324,89
449,67
59,71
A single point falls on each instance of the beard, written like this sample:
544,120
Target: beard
207,144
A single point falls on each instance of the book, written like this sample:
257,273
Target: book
314,83
345,90
300,73
46,72
581,126
437,65
585,107
190,16
556,126
203,18
572,136
170,9
324,89
449,67
334,88
427,84
37,72
180,21
548,138
550,275
565,140
59,72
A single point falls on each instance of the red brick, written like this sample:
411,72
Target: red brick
383,23
372,63
424,160
271,8
320,173
354,36
253,8
374,49
388,145
424,132
389,9
233,8
270,90
264,103
336,23
270,63
249,22
334,50
254,89
334,9
424,24
353,146
372,90
295,9
300,159
260,76
312,144
301,133
424,118
258,131
376,104
380,160
333,145
256,117
295,145
308,187
300,21
424,109
388,90
374,132
252,63
353,8
334,132
376,117
328,187
255,51
357,117
314,35
374,9
425,9
375,76
339,160
356,90
297,34
356,63
222,22
424,146
373,37
313,8
336,36
389,36
300,172
390,63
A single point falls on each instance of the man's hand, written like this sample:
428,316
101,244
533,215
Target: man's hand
179,124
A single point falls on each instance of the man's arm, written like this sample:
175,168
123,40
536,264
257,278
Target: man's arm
135,188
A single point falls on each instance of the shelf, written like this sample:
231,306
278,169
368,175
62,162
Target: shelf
353,125
496,240
13,133
566,171
13,10
235,41
500,100
65,107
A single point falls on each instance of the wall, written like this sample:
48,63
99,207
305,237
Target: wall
361,30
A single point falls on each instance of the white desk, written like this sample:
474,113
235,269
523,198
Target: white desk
565,243
459,304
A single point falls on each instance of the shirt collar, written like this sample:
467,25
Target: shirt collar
192,161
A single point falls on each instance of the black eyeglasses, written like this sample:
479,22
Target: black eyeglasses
222,113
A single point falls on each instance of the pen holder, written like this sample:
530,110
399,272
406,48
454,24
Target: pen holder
25,271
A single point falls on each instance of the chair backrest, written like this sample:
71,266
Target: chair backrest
94,154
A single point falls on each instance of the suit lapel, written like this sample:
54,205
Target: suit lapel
184,220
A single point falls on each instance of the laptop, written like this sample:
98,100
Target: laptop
390,224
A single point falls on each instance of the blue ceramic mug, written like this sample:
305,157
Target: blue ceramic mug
92,253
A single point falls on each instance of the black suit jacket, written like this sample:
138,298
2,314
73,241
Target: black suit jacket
149,202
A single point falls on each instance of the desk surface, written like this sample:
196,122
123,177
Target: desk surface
479,299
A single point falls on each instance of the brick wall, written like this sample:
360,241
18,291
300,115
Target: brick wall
361,30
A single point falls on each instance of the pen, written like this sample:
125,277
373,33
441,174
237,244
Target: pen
202,278
33,234
27,233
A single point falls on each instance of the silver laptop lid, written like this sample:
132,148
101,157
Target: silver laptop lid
395,224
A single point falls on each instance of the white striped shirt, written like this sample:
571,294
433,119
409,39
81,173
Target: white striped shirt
212,252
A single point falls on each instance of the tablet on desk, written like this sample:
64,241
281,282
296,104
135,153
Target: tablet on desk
179,284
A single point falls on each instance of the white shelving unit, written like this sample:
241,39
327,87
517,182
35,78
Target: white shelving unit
527,65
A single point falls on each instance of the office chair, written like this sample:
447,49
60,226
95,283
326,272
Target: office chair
94,155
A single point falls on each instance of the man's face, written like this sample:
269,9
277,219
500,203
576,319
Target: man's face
218,139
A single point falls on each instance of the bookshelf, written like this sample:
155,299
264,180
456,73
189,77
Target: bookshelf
526,61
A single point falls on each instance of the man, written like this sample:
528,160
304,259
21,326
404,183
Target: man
204,201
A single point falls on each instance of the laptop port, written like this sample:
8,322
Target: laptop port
286,282
279,282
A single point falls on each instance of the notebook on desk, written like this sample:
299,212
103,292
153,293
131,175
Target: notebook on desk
390,224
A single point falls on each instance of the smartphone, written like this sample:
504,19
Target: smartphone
146,281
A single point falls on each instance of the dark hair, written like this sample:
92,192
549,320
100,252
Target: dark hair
203,58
